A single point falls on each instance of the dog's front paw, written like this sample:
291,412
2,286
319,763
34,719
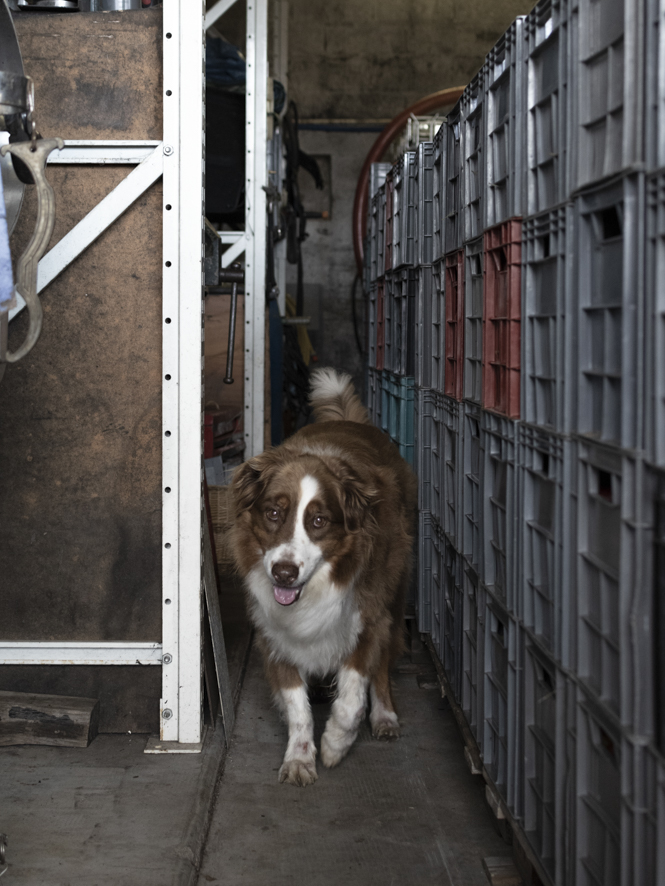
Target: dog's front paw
332,750
298,772
386,728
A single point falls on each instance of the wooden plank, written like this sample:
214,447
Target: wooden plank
501,871
27,718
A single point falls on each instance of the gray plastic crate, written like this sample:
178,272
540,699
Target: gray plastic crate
544,481
473,320
440,424
473,654
380,269
424,566
659,614
424,205
374,207
438,330
448,609
453,230
616,505
549,763
654,85
504,109
404,210
389,321
374,395
502,739
472,530
429,310
598,814
655,320
608,76
641,835
377,177
548,382
498,443
609,294
547,105
426,446
372,321
472,118
452,416
401,324
439,201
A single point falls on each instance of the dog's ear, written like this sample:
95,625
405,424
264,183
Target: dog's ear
358,493
249,481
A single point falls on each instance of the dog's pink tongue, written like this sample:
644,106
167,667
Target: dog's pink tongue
285,596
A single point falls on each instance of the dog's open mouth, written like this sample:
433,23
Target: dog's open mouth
286,596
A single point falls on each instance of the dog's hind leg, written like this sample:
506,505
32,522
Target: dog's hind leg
383,718
299,766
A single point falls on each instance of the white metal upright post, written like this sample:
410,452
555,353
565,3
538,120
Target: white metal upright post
255,223
182,376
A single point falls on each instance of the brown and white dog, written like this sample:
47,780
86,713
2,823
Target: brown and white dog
323,537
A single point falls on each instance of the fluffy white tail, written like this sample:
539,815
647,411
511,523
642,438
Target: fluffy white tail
333,397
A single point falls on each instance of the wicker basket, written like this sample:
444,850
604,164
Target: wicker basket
221,523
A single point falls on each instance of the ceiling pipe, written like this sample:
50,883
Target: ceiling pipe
423,106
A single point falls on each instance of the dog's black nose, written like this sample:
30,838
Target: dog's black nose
285,573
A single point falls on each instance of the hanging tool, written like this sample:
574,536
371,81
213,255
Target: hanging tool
233,275
33,154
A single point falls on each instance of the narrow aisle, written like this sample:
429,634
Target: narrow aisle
392,813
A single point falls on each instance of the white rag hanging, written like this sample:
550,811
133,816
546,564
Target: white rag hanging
7,299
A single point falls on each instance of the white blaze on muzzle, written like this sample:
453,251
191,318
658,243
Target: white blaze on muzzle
300,551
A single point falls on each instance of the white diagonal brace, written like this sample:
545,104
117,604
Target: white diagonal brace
235,250
96,222
217,11
81,653
100,152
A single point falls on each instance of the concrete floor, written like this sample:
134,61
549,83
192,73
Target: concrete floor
399,813
108,814
391,813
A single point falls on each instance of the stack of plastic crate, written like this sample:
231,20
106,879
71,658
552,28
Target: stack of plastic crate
540,432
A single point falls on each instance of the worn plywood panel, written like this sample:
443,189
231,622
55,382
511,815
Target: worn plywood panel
80,428
80,440
97,75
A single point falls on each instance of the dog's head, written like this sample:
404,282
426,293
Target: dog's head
297,514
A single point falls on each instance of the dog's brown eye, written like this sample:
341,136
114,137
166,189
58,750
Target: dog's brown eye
319,522
272,514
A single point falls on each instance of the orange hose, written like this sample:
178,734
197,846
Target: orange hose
423,106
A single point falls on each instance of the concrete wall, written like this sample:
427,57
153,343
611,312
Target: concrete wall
371,58
368,60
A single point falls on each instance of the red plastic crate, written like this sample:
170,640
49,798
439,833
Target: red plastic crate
454,299
501,318
388,225
380,323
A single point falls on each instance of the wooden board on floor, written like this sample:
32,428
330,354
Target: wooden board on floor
28,718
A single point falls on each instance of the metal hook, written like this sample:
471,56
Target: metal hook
34,154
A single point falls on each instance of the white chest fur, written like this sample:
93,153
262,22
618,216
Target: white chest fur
315,634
